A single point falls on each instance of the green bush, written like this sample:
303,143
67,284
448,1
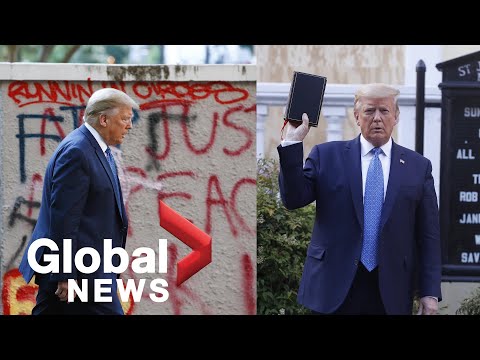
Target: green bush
282,238
470,305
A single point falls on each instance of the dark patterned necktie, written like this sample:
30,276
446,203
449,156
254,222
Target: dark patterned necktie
113,167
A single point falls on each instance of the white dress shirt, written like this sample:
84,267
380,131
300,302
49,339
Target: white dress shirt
385,158
98,137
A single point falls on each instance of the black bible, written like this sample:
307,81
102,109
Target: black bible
306,96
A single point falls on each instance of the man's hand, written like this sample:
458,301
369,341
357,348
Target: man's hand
428,306
297,131
62,290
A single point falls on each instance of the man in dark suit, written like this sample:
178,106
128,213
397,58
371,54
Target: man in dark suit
82,201
376,234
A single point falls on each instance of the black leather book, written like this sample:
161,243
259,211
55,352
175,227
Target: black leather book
306,96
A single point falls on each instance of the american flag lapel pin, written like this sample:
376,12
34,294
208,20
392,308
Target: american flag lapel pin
402,161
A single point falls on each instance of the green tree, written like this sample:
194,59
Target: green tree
64,53
282,238
100,53
91,54
38,53
156,54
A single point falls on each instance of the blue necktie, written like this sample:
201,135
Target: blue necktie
372,209
113,167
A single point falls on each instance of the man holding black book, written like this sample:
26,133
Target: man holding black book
376,239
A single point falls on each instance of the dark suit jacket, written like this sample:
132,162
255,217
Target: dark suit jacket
409,236
79,203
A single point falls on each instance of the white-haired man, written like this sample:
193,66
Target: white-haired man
376,235
82,201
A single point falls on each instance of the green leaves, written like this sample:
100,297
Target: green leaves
470,305
282,240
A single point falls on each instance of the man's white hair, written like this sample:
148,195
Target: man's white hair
106,100
376,90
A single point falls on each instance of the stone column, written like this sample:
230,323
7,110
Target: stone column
335,117
262,112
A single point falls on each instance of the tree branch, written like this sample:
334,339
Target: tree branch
13,52
70,53
46,51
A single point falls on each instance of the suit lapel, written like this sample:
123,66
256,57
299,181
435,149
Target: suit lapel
103,160
353,169
393,182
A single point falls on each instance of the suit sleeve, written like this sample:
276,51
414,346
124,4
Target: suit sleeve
428,240
69,190
297,182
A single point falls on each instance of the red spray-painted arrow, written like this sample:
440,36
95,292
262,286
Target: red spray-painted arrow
189,234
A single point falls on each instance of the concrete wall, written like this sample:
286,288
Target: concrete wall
191,146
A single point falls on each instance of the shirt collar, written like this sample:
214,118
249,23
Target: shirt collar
97,136
366,147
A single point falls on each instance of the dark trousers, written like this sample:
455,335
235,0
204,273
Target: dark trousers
48,303
364,297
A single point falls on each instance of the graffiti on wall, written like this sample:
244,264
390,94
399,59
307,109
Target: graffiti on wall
195,124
